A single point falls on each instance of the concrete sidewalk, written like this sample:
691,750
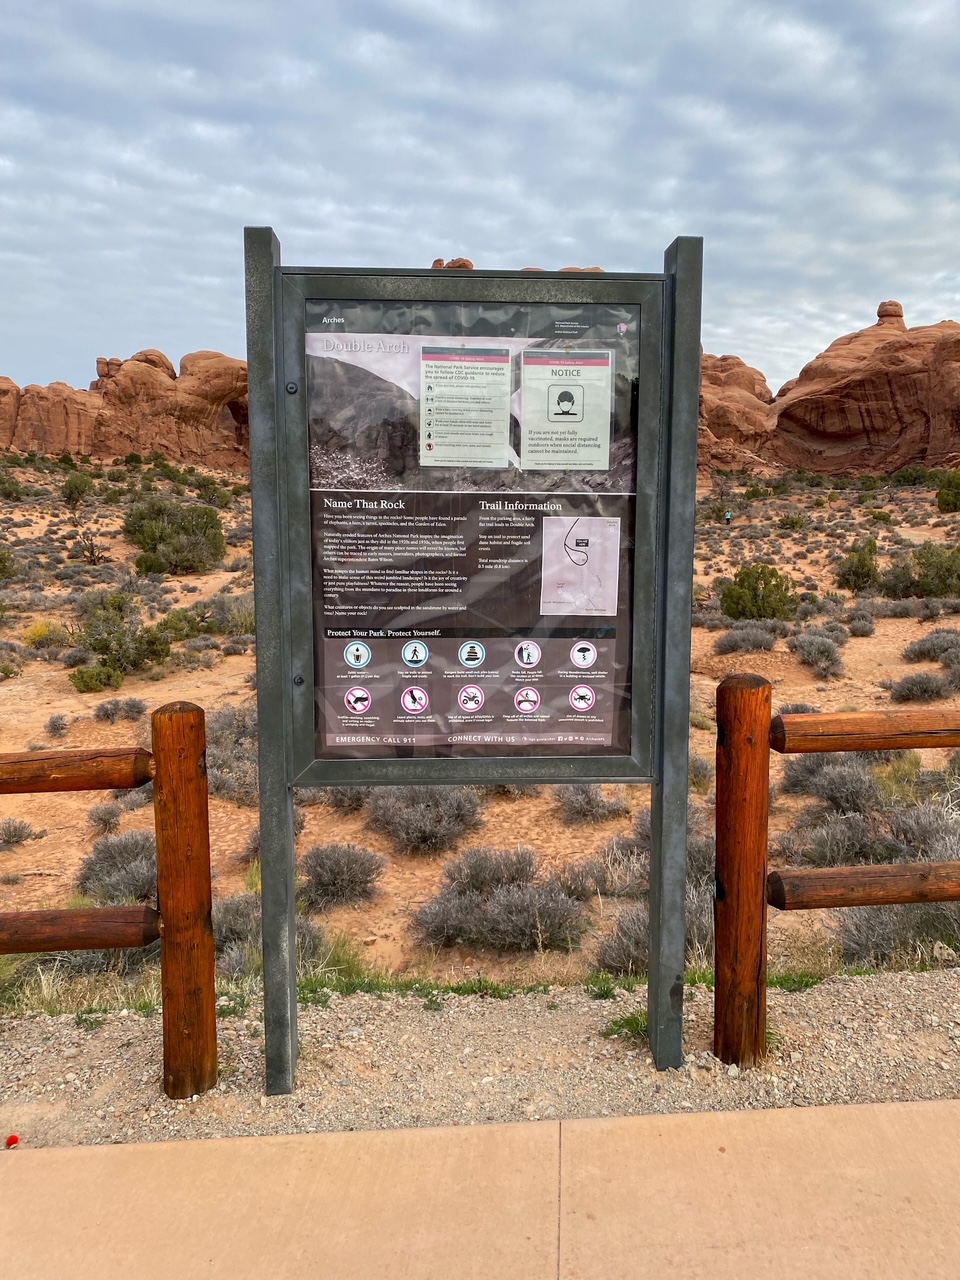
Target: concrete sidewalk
855,1192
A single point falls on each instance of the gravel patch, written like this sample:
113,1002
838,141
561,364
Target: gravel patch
377,1063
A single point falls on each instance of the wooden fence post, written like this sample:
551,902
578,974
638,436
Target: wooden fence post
740,911
184,900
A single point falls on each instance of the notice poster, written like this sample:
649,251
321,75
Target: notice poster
464,406
441,630
473,494
567,406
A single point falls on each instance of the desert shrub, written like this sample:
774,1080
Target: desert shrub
759,591
232,771
335,873
818,652
344,799
883,935
115,709
744,640
95,679
225,615
449,919
848,785
701,857
8,565
113,630
930,831
774,626
422,819
792,523
859,571
948,495
583,878
237,935
514,917
76,489
175,537
14,831
120,868
797,709
76,656
510,790
585,802
626,868
800,771
921,686
929,570
46,635
832,630
627,949
710,620
304,797
481,869
698,921
699,774
134,798
105,817
10,487
932,646
56,726
238,938
841,840
861,624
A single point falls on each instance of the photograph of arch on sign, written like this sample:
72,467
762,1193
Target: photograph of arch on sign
472,480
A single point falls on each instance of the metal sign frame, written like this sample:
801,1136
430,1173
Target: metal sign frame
669,304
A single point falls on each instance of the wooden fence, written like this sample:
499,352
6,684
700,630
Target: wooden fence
746,733
182,918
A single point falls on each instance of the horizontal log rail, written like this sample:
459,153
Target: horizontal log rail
746,734
865,731
116,769
867,886
99,928
183,918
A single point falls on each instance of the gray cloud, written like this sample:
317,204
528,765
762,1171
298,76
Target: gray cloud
813,147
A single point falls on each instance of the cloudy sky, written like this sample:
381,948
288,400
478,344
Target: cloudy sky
813,144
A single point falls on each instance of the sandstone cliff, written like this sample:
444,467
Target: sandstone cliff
874,401
137,405
737,418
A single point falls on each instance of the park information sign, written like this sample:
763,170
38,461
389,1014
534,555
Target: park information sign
473,488
473,533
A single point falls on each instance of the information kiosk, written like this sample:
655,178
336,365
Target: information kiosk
473,507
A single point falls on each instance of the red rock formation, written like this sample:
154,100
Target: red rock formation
874,401
137,405
736,417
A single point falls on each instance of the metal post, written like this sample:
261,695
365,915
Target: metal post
683,267
277,854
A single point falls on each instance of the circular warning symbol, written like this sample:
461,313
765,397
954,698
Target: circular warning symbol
472,654
470,697
527,653
583,654
582,697
526,700
414,700
357,654
357,700
415,653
